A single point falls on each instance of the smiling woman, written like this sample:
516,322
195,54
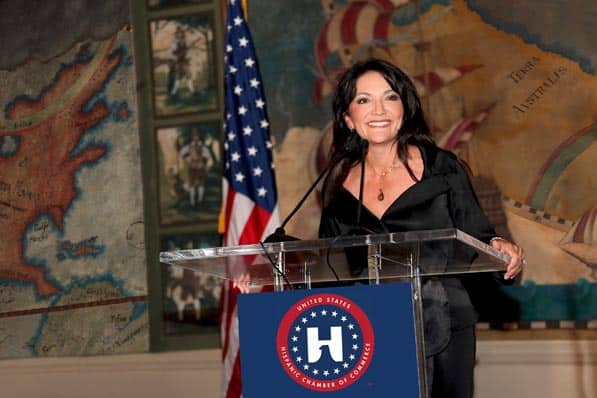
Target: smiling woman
376,110
408,183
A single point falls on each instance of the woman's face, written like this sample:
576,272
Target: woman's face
376,110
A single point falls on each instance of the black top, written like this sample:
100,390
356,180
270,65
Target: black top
444,198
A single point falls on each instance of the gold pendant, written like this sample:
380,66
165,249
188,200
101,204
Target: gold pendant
380,196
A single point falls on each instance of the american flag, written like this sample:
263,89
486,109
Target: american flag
249,200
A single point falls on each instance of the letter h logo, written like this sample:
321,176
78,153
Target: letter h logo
314,344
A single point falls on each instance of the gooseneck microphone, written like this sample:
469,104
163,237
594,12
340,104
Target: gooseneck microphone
353,145
364,146
356,257
279,234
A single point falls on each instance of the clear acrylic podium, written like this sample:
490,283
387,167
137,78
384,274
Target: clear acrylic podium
363,259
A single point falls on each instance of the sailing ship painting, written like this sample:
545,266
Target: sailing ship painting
495,99
361,29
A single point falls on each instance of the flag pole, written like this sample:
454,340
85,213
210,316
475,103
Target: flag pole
245,7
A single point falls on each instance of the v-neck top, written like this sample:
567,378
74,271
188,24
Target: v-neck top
443,198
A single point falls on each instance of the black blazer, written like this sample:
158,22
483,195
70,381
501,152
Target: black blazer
444,198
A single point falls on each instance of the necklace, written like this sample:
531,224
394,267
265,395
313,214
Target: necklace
381,175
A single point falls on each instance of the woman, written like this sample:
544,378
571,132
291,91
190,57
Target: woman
409,184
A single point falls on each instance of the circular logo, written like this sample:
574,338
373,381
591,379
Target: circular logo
325,342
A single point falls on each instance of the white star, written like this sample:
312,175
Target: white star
264,124
228,115
229,48
238,21
355,347
343,319
315,371
252,151
238,90
254,83
227,165
294,338
351,356
247,130
259,103
257,171
299,359
324,312
345,365
313,315
335,314
305,366
232,69
228,28
242,110
262,192
243,42
351,326
269,145
249,62
235,157
326,373
294,349
355,336
304,320
226,146
336,371
297,328
239,177
231,136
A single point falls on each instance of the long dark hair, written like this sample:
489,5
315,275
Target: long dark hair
413,130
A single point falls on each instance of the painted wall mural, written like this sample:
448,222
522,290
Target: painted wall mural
513,97
72,252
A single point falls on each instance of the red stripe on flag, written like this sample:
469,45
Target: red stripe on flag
229,204
255,226
228,304
235,389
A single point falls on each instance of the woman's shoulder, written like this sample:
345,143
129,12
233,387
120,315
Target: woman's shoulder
439,159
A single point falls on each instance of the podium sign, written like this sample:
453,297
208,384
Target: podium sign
355,341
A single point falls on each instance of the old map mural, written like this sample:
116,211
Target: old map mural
72,257
514,97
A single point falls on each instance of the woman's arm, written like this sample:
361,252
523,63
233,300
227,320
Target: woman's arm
470,218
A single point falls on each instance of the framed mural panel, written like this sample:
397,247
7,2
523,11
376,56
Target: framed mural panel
180,120
190,300
189,174
183,65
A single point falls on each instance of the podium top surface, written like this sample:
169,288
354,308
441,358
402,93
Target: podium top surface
391,255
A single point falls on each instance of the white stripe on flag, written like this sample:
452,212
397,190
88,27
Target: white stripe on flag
242,209
230,355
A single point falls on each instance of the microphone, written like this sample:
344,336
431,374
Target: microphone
351,147
364,147
356,257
